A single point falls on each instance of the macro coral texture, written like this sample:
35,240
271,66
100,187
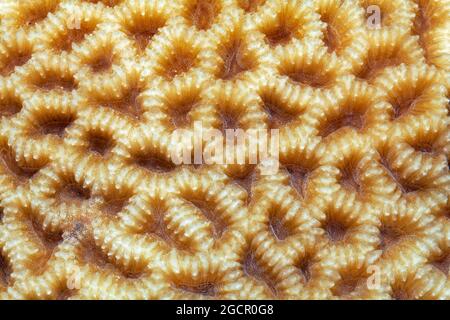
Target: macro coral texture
91,206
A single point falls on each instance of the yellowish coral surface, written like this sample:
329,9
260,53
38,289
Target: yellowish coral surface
91,206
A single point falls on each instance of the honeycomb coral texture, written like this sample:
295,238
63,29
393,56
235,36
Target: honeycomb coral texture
91,206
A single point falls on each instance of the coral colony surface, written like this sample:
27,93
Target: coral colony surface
92,205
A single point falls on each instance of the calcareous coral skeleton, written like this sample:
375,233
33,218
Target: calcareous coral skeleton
93,207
